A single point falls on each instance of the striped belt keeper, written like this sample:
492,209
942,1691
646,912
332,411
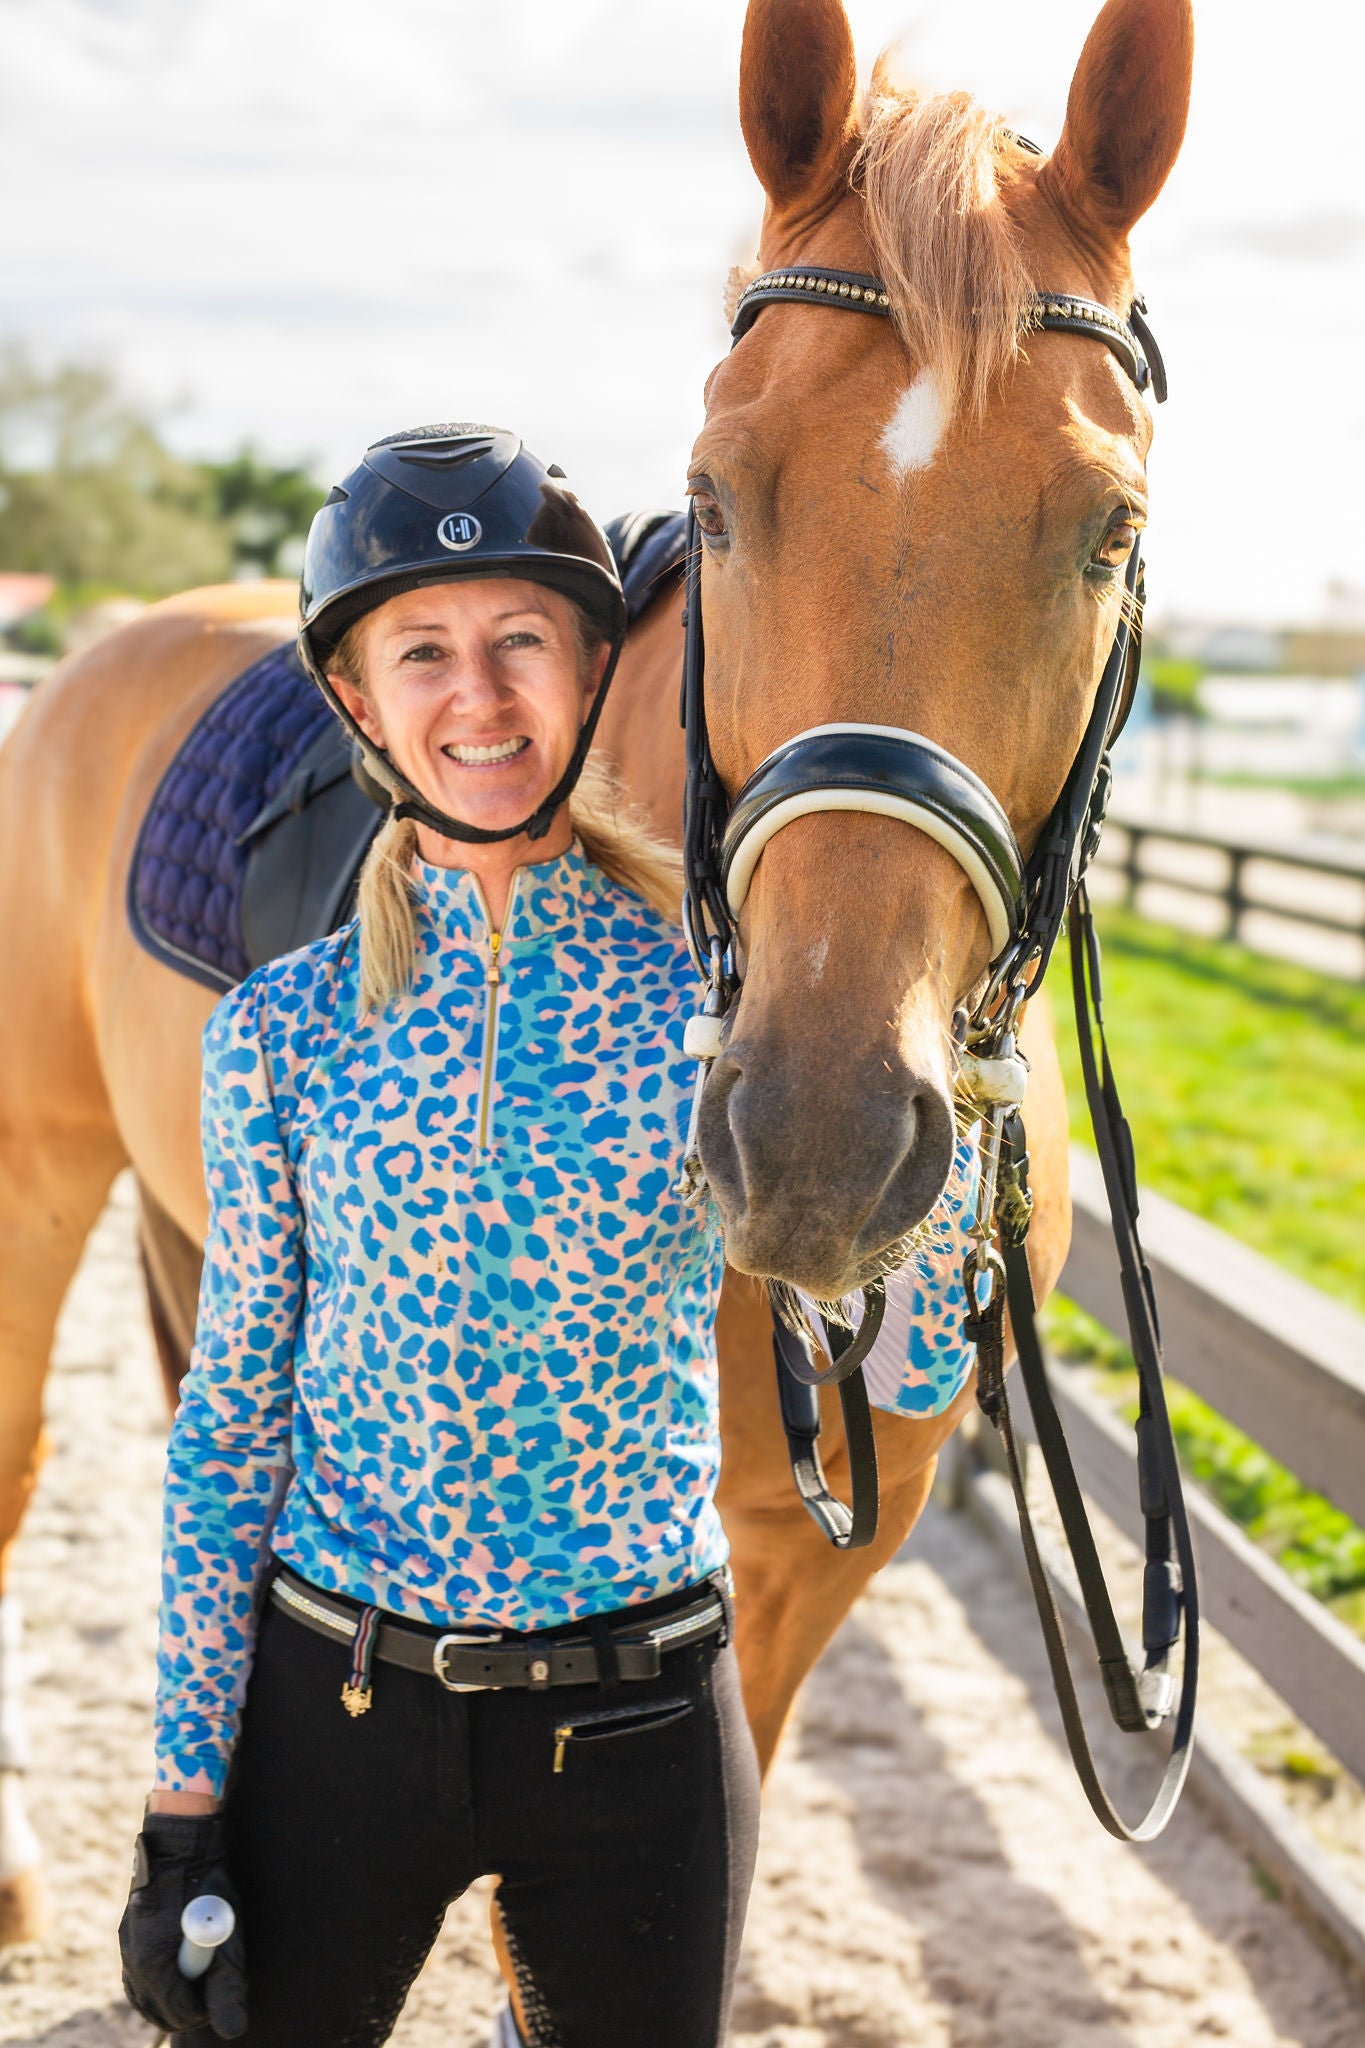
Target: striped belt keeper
358,1691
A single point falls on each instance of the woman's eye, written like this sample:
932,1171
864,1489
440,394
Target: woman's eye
428,651
710,518
1117,545
517,640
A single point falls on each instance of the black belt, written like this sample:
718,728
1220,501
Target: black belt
474,1661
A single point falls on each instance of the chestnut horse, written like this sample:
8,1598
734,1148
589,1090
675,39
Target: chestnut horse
910,521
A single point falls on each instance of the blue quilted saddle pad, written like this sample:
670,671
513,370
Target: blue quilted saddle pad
185,884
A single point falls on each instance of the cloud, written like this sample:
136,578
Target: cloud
1311,237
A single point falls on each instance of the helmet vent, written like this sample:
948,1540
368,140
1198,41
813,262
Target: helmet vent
444,455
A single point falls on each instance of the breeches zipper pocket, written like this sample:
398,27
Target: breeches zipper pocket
614,1721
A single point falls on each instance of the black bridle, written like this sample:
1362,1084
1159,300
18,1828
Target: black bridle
901,774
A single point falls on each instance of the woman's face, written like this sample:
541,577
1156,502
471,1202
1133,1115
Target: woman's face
477,691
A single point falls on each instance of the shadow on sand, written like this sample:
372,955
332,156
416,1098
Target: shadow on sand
931,1852
109,2026
893,1769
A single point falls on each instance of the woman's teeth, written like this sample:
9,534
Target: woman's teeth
479,757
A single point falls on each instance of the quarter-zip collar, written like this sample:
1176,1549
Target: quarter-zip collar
548,899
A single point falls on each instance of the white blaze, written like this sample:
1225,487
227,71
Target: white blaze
914,430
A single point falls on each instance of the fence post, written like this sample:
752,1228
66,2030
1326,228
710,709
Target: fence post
1132,868
1236,897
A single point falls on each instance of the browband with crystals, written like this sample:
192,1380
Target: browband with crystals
1061,312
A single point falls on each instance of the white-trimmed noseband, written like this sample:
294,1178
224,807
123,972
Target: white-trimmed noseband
842,768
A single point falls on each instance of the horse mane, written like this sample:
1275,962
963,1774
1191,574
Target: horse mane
930,173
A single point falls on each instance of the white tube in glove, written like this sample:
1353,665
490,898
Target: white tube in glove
206,1924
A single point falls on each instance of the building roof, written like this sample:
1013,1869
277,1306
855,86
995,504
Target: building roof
21,594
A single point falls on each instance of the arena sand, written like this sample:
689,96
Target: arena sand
929,1876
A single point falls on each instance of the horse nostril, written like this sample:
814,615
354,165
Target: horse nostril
915,1182
716,1140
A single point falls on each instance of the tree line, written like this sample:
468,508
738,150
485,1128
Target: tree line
91,494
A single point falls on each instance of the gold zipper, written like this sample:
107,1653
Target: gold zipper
628,1720
490,1035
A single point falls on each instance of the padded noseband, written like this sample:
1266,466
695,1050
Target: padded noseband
893,774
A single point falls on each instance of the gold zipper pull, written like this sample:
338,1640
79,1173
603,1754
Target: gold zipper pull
562,1734
494,948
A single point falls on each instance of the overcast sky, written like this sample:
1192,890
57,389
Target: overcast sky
309,222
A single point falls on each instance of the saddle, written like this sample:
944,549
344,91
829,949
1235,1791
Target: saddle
255,838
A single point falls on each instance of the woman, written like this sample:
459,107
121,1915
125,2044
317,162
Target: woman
441,1484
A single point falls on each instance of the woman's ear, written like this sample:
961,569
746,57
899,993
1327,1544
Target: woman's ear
798,85
595,670
359,706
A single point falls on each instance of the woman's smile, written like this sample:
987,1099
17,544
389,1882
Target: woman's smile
466,754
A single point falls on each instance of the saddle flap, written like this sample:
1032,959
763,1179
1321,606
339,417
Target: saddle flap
325,763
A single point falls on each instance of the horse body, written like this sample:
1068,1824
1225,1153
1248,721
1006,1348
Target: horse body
870,577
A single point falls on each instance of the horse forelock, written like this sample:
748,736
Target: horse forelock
931,172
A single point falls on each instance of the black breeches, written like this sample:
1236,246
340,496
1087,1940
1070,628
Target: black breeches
625,1872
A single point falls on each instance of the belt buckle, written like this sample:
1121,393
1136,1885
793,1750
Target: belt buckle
438,1658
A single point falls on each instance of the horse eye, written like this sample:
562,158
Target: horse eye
710,518
1118,543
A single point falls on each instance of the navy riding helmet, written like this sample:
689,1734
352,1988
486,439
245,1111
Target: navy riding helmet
433,506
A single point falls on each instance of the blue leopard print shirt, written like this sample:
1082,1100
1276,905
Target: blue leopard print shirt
454,1355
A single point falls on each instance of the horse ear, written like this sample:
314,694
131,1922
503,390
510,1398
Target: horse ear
1125,116
798,84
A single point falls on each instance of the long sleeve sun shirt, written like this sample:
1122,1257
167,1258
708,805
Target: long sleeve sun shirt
455,1355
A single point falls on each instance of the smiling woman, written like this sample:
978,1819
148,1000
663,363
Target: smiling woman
453,1402
471,665
477,691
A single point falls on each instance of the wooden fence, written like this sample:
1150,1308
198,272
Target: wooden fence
1287,1366
1301,906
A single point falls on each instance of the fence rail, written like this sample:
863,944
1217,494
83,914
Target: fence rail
1287,1366
1301,905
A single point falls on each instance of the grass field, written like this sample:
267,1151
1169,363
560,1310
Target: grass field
1244,1081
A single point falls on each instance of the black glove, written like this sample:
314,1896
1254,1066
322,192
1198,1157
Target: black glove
179,1857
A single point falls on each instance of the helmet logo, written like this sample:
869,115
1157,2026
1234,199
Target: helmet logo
458,531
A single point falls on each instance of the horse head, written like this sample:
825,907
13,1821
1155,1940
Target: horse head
916,521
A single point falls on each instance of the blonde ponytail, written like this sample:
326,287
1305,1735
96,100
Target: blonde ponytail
617,837
386,901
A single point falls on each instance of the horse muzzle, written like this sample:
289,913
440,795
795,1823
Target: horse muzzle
818,1172
823,1149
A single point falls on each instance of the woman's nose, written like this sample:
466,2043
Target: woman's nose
479,680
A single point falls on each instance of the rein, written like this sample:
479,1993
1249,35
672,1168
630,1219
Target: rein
896,773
